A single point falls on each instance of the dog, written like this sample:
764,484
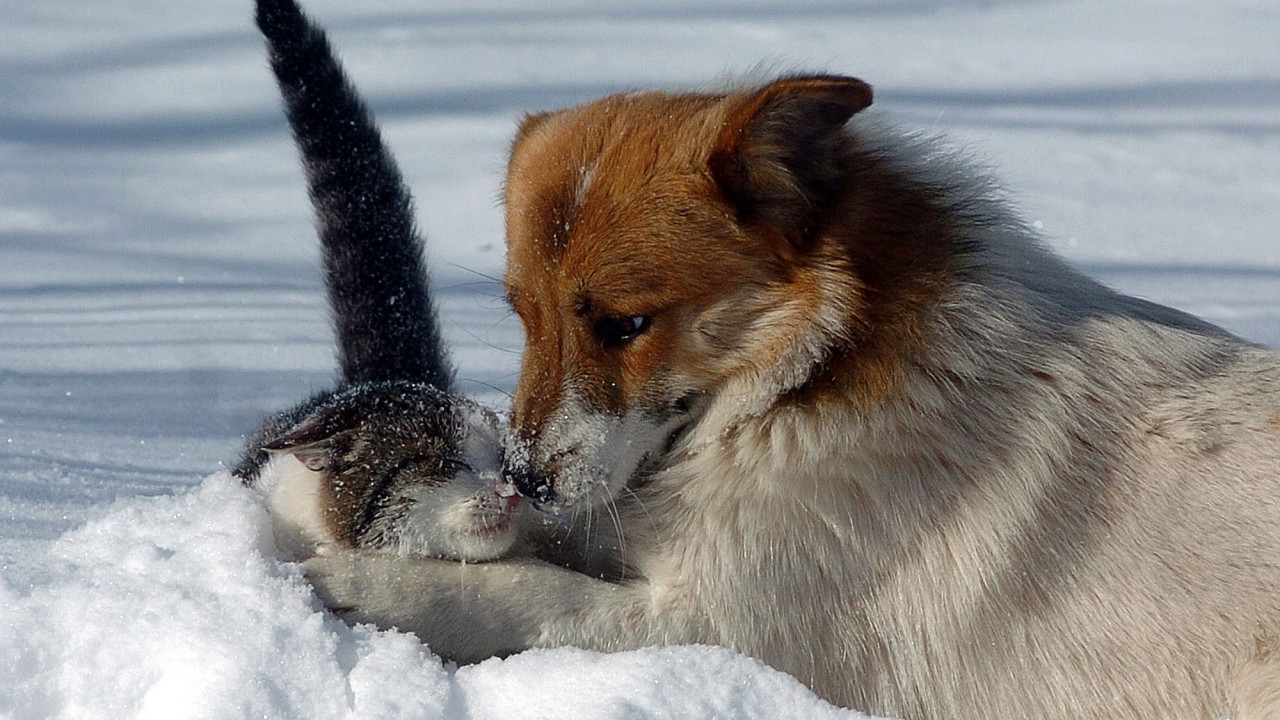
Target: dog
826,401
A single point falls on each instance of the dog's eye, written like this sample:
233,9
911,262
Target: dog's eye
617,330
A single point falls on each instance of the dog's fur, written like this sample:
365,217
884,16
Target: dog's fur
848,416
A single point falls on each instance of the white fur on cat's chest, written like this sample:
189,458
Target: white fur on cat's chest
296,497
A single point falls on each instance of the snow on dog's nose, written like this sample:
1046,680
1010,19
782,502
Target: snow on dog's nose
529,483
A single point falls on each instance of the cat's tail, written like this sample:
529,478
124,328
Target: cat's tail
384,316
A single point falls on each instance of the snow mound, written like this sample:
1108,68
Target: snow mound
175,607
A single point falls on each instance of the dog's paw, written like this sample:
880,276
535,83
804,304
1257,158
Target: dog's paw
339,580
385,590
464,613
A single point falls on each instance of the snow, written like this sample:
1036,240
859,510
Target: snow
170,607
159,289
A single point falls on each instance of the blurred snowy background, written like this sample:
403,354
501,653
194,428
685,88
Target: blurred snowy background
160,291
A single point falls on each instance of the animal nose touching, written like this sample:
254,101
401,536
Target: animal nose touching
609,451
533,484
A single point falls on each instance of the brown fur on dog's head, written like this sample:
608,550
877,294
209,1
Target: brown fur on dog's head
662,246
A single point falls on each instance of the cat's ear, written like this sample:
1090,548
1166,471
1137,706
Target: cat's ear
316,458
311,439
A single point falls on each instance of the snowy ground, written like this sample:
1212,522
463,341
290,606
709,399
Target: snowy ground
159,289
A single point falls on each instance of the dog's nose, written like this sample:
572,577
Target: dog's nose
529,483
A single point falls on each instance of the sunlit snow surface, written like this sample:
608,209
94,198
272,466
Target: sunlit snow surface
169,607
159,290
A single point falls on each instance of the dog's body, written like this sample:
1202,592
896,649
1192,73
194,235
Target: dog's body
846,415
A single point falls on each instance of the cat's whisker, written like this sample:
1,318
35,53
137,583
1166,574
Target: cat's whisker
496,388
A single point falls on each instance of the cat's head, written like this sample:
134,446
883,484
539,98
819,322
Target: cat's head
404,467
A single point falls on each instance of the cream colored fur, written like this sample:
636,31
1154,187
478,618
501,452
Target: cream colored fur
295,496
1069,507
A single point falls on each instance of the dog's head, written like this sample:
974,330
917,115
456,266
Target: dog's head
660,254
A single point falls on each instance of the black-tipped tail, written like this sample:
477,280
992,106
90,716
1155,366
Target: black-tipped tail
384,317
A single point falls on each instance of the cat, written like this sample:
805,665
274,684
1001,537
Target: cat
391,458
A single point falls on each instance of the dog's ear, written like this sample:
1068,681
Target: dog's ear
528,124
779,157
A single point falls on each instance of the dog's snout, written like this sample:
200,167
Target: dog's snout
528,482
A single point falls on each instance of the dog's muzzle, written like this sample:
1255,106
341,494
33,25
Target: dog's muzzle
533,485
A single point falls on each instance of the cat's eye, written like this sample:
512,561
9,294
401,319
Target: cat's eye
614,331
453,466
